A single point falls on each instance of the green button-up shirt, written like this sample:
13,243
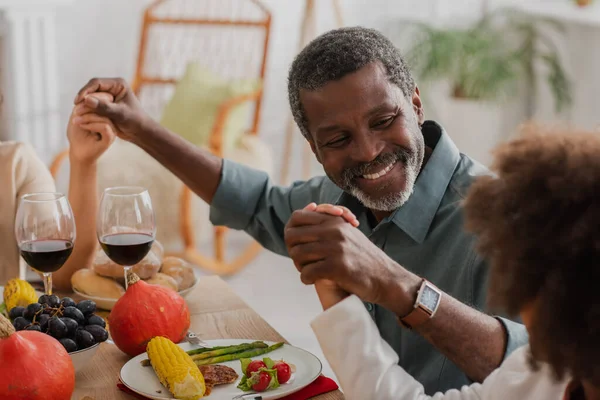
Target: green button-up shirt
426,236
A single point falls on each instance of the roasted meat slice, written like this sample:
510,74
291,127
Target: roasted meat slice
217,375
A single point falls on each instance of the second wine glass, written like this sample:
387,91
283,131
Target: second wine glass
126,227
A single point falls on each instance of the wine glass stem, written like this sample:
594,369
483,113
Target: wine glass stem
126,270
48,283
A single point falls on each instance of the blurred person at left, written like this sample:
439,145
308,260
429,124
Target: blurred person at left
23,172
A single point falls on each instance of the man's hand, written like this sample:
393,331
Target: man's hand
126,112
327,247
329,292
92,136
334,210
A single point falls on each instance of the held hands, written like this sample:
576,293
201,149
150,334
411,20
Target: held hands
125,112
92,135
339,259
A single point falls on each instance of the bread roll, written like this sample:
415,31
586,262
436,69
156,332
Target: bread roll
145,269
158,250
88,282
181,270
163,280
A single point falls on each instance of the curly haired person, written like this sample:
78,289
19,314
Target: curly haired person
537,222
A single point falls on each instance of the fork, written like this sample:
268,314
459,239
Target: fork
192,338
248,396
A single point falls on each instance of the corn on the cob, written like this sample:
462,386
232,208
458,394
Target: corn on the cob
18,292
175,369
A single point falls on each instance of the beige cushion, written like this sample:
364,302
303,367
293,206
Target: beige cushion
192,110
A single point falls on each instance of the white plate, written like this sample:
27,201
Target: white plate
143,380
108,304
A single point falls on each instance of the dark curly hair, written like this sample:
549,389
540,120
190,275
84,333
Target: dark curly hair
538,222
338,53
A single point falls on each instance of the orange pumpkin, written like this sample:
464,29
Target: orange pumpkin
33,366
146,311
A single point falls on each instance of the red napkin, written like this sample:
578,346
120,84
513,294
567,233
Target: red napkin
130,392
320,386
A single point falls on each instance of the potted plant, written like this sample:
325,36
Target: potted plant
484,65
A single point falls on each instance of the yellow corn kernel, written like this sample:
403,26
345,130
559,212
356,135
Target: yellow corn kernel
18,292
175,369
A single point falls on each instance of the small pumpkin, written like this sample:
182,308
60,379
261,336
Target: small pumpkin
34,366
146,311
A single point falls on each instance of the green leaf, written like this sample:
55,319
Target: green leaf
490,59
3,310
245,384
268,362
245,362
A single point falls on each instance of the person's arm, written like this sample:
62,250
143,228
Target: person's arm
197,168
326,247
87,144
241,198
365,365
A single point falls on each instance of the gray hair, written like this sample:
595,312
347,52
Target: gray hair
338,53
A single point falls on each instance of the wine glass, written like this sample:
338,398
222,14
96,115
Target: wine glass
126,227
45,233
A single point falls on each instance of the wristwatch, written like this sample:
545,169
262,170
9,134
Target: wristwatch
428,301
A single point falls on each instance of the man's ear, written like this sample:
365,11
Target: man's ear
313,147
418,106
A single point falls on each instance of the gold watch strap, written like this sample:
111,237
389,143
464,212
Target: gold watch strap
419,315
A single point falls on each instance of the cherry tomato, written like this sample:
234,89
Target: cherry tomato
254,366
263,382
284,372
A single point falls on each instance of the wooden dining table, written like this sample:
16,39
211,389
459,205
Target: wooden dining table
216,313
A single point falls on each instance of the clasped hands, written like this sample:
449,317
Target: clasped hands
339,259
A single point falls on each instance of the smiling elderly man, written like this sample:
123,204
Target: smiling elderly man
357,104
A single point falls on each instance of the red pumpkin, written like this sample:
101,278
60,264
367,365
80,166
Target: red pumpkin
146,311
33,366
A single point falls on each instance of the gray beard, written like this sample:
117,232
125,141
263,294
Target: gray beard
392,201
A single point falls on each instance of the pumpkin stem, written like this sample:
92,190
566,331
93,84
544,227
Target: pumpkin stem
132,278
6,327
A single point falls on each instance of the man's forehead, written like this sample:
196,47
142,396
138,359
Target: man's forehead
371,78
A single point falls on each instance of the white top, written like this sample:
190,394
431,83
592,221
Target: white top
367,367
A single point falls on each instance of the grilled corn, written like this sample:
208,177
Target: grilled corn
18,292
175,369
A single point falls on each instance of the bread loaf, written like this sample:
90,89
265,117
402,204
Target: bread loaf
180,270
86,281
163,280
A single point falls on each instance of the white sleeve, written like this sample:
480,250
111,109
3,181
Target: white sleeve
366,366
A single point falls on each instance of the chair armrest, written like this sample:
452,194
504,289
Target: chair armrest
215,143
57,162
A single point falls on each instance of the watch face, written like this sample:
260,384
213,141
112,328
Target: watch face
429,298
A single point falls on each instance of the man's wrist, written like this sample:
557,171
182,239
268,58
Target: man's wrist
401,291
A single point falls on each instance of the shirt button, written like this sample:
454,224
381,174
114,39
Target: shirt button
369,307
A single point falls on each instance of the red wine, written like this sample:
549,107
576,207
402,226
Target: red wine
126,249
46,255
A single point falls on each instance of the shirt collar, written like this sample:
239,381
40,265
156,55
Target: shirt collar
417,214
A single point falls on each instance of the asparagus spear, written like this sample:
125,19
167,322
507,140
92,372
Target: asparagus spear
217,350
237,356
228,350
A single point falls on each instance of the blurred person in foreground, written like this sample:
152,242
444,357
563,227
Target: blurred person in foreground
537,222
22,172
